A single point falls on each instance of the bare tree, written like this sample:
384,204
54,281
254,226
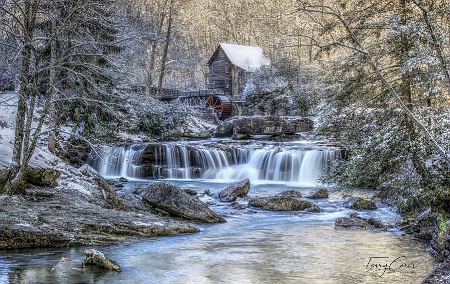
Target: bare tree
78,58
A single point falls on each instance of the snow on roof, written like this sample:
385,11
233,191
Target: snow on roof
248,58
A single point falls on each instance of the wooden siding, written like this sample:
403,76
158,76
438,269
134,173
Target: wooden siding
220,72
223,75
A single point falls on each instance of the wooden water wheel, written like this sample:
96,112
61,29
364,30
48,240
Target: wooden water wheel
221,105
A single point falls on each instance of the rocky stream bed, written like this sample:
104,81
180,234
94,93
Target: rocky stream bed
95,215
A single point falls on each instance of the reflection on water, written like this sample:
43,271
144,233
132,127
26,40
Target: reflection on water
254,246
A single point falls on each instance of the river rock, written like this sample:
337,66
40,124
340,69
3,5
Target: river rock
245,126
176,201
422,226
283,203
354,221
190,191
360,203
319,193
42,176
235,190
236,205
350,223
96,258
123,179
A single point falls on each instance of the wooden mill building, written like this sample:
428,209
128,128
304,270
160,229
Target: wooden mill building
230,66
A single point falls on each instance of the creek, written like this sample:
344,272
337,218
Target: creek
254,246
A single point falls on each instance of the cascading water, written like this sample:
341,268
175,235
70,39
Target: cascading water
118,161
284,165
274,162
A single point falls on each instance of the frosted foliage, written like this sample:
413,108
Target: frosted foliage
148,117
385,154
438,123
267,85
249,88
421,59
282,88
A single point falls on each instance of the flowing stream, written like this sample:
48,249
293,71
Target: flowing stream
254,246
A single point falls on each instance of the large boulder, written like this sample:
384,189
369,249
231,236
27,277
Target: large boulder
174,200
42,176
245,126
235,190
360,203
286,201
354,221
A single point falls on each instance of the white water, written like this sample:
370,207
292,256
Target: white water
293,163
118,161
297,166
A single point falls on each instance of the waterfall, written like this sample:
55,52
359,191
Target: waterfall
279,163
298,166
118,161
178,166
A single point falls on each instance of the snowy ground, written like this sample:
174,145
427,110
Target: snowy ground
71,178
8,103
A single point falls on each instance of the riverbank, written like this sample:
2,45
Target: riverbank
87,216
68,206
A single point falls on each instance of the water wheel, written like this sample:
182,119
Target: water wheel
221,105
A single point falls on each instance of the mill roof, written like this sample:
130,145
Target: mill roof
248,58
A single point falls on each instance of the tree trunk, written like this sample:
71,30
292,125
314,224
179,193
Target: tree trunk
153,52
15,182
166,49
53,90
404,51
150,68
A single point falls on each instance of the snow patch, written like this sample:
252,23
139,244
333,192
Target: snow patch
138,223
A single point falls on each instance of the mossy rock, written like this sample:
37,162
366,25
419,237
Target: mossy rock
360,203
283,203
